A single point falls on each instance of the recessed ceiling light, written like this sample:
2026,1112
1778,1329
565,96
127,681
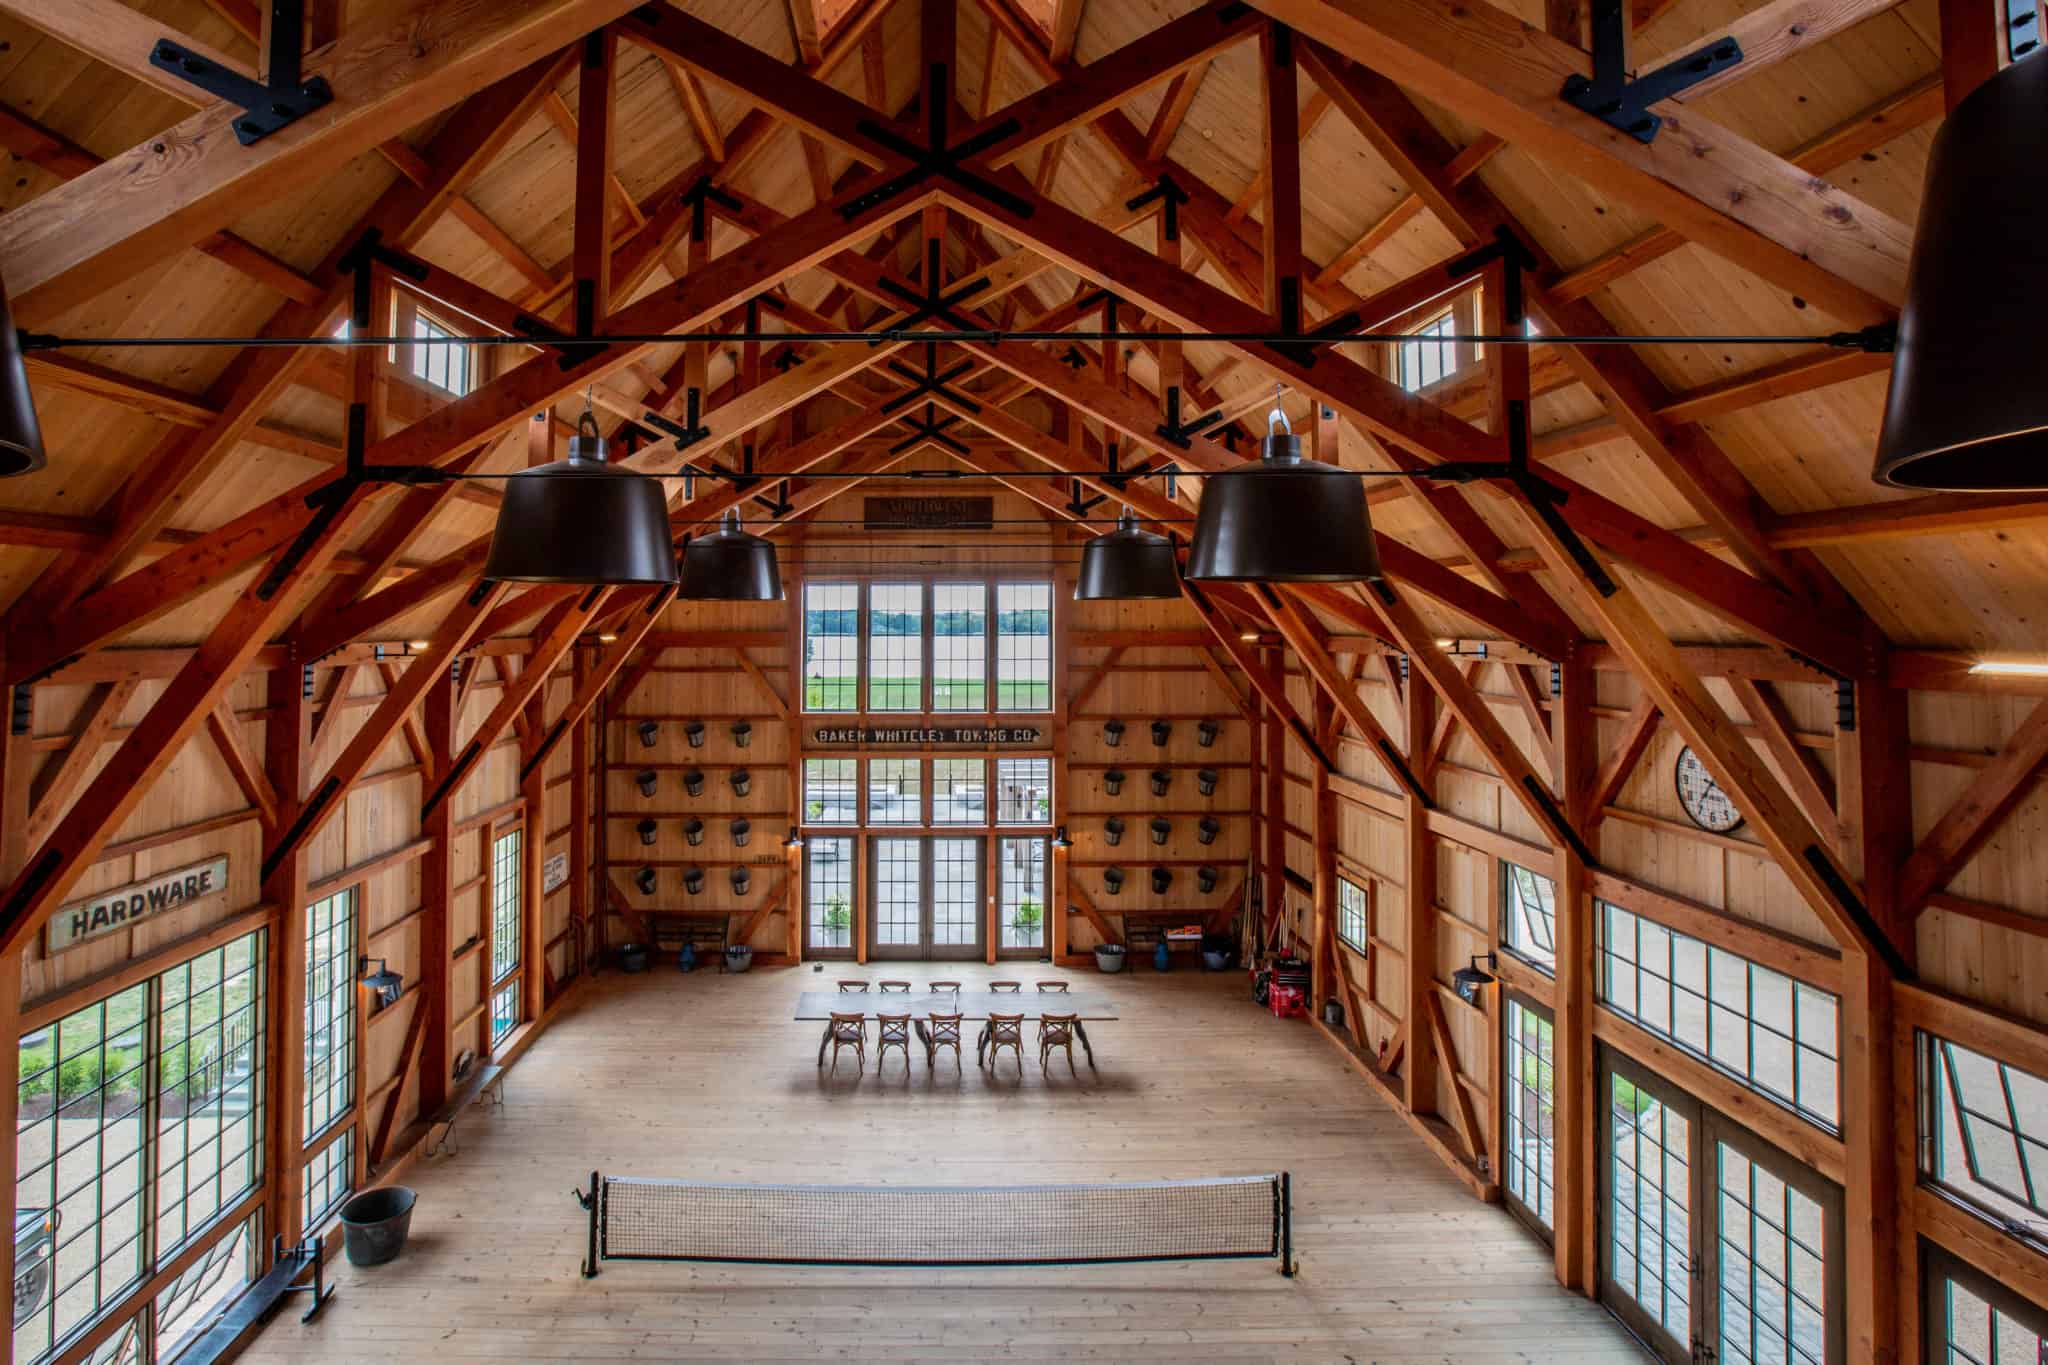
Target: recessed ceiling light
2011,670
417,644
606,638
1249,637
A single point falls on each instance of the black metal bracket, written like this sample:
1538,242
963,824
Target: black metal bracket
935,301
1075,358
1169,190
932,428
931,381
1612,97
1845,705
308,1250
935,158
700,197
1880,338
269,105
21,705
1178,432
691,429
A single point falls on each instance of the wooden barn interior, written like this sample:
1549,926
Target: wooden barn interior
1451,575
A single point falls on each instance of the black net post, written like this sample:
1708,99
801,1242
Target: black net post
1285,1194
591,1202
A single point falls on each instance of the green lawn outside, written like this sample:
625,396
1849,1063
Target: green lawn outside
842,693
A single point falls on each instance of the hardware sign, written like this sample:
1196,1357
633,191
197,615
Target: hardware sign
127,906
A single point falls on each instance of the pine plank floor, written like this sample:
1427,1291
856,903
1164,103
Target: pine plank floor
707,1077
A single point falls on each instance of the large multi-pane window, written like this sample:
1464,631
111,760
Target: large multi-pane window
1529,1150
139,1124
1973,1320
330,1010
831,646
894,795
1020,865
1776,1035
183,1307
1424,361
828,874
1353,919
959,791
1770,1266
1987,1134
508,920
327,1179
1023,646
896,647
1023,791
1649,1219
959,647
1528,926
831,790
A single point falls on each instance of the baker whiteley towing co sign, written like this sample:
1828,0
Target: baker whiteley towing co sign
943,734
128,906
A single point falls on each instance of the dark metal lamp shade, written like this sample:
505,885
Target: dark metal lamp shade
730,565
1472,980
1125,564
21,435
1283,520
1967,411
581,521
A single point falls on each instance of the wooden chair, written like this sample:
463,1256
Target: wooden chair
853,988
1005,987
1054,1030
893,987
1052,987
848,1030
941,1030
891,1030
951,988
1006,1031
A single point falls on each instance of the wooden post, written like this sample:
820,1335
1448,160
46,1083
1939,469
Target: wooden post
1273,756
580,850
286,741
1323,821
1418,1075
437,883
17,760
1578,1111
594,106
1062,706
533,797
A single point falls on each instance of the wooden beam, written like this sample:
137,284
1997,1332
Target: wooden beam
1798,768
225,729
595,103
51,792
1975,814
1636,732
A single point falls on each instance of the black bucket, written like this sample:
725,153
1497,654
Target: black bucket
1162,731
693,782
694,732
1113,733
693,830
1161,780
1113,781
1208,828
1207,780
647,781
742,830
741,880
632,958
742,781
693,881
374,1224
1206,732
1162,828
1205,877
644,879
646,829
648,731
743,733
1112,832
1113,880
1161,879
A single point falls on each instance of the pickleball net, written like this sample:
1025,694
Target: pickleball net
635,1218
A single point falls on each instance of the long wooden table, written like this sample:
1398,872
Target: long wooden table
1086,1007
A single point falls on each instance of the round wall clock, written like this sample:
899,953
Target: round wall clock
1704,801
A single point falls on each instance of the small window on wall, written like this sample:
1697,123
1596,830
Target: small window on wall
1353,923
831,789
1024,647
1528,1153
1987,1142
1528,927
330,1010
960,647
507,911
1023,791
1424,362
959,791
445,365
894,795
328,1177
896,647
831,646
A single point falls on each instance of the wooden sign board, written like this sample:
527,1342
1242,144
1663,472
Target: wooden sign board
125,907
554,874
929,514
980,735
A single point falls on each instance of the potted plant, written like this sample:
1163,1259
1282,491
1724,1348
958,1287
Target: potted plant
814,810
838,920
1029,913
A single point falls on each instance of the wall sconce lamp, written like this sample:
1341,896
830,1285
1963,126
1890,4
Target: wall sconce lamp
383,984
1060,839
1474,979
795,839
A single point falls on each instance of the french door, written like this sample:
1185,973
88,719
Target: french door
927,898
1715,1246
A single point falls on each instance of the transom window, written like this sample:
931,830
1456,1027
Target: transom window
895,795
140,1123
896,784
1424,362
1528,920
931,648
445,366
1353,923
1023,791
1776,1035
1987,1135
959,791
831,788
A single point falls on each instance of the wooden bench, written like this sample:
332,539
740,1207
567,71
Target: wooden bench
1145,928
486,1079
222,1337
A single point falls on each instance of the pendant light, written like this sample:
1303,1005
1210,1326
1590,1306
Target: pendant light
1126,564
730,565
1966,411
580,520
1283,519
21,436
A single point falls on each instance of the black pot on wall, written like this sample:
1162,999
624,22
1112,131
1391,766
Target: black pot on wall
1113,880
1206,732
1208,828
1113,832
742,781
644,879
1113,781
1162,730
693,830
1162,829
743,733
1206,780
693,880
646,828
1161,780
694,732
742,830
1205,878
693,782
1161,879
647,781
649,731
742,878
1113,733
